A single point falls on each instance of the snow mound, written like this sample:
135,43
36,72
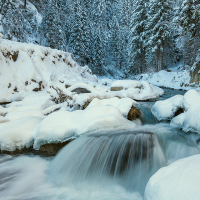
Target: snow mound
177,181
192,99
188,121
124,105
166,109
63,125
18,133
127,84
27,67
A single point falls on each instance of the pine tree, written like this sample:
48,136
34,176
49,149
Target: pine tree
159,31
79,40
51,28
116,47
15,26
189,20
98,52
137,52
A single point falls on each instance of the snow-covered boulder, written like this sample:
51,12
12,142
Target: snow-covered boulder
125,84
166,109
178,181
191,99
64,125
189,120
17,134
82,88
125,105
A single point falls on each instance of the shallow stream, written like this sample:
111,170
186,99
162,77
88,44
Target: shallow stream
103,165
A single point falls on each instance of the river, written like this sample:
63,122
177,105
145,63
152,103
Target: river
104,165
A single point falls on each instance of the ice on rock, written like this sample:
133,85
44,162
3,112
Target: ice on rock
166,109
63,125
178,181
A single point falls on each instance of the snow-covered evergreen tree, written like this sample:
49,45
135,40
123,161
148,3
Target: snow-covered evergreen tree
97,62
15,26
158,29
51,28
116,45
137,60
79,40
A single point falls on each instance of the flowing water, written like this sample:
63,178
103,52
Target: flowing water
102,165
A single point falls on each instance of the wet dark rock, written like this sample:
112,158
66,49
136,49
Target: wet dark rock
134,113
50,149
81,90
179,111
116,88
15,90
67,86
11,55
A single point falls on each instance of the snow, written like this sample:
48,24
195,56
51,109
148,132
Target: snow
124,105
175,78
18,133
188,121
33,64
35,118
64,125
178,181
164,110
127,84
189,103
192,99
83,85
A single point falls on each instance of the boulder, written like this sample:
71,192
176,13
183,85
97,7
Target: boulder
50,149
81,90
134,113
116,88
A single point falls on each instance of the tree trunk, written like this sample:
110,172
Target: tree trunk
24,4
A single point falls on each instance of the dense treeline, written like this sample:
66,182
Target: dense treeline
117,37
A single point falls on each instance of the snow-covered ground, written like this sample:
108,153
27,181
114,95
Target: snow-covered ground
47,92
175,78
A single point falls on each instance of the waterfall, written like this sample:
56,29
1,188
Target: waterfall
125,157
